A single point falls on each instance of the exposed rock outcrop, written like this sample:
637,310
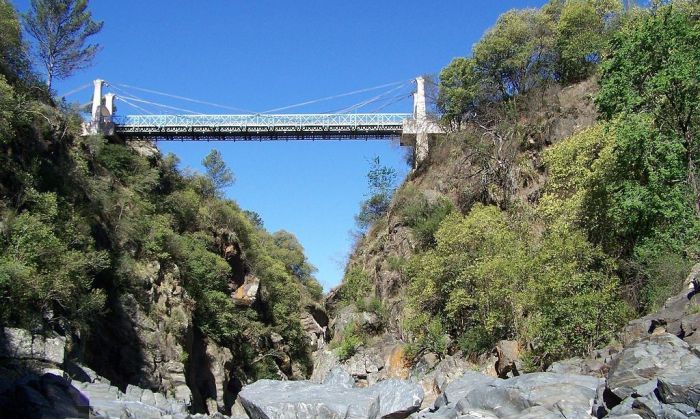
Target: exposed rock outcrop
536,395
247,293
658,376
22,345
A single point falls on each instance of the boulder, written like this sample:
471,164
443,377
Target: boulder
462,386
434,378
660,361
548,392
578,366
107,401
397,398
338,377
536,395
267,399
508,358
389,399
45,396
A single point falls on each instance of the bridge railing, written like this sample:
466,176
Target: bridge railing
263,120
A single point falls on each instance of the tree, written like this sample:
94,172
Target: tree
10,39
582,33
460,90
514,53
61,29
381,181
220,175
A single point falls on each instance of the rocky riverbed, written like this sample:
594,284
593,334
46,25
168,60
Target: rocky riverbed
653,373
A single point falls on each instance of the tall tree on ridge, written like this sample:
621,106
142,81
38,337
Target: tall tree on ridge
61,29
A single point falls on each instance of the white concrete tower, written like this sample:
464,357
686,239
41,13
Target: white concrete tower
421,116
97,101
109,106
419,109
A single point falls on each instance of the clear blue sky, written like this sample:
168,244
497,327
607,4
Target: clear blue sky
264,54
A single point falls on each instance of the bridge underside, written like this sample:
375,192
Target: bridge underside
257,134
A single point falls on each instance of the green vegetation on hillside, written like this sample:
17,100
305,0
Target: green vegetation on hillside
80,217
616,226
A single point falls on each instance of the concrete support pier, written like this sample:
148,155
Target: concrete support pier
417,130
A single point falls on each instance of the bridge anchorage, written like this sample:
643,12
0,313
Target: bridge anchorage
411,129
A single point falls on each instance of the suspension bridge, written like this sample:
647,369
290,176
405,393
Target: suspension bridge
411,129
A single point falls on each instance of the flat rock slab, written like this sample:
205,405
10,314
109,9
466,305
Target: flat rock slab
270,399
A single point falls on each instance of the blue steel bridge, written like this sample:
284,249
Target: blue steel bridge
412,129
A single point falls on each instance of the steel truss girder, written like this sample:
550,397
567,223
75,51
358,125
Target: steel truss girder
262,127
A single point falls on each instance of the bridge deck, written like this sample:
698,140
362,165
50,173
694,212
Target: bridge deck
262,126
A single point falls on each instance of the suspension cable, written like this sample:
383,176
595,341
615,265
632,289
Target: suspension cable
144,111
392,101
201,102
160,105
370,100
309,102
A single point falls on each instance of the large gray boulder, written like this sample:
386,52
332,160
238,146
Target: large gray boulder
397,398
459,388
338,377
536,395
662,362
45,396
656,377
269,399
569,395
22,345
389,399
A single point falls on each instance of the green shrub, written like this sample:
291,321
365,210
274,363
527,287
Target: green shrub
422,216
356,285
491,278
348,347
476,341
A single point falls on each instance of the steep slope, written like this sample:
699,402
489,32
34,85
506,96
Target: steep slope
563,201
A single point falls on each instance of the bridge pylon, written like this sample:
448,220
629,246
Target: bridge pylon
102,112
418,129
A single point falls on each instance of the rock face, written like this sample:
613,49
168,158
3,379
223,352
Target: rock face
146,347
391,399
338,377
246,294
314,321
20,344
